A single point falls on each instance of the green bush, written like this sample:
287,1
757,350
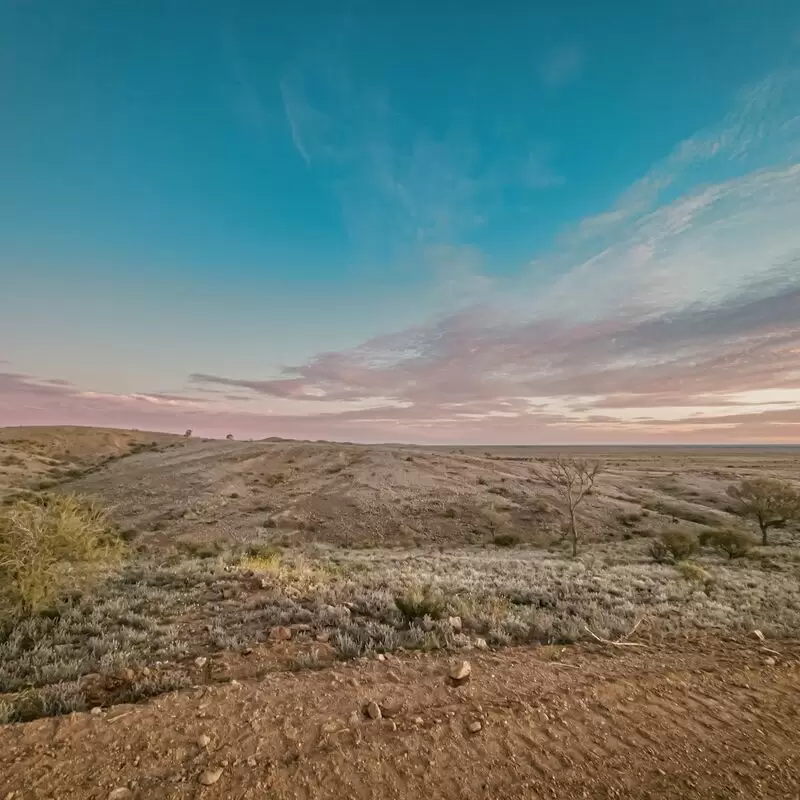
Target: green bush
506,540
733,543
418,602
673,546
55,543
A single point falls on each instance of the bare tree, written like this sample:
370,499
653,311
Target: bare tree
771,503
572,479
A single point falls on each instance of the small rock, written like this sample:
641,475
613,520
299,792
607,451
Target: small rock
460,672
203,741
210,776
200,662
280,633
419,721
329,727
474,726
373,710
247,651
392,707
757,633
390,724
381,657
96,711
770,661
324,638
122,793
251,761
481,644
455,624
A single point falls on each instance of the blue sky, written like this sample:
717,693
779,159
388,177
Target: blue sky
426,222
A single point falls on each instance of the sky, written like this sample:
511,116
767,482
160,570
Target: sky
439,222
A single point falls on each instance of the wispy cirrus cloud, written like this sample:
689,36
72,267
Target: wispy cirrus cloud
401,186
685,298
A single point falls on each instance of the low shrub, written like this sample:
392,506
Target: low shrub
673,546
733,543
506,540
418,602
55,543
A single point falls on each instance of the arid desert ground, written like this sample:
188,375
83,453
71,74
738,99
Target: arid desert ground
288,619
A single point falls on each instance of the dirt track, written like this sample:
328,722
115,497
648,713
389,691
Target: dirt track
709,718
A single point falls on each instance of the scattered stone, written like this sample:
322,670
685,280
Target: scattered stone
381,657
373,710
474,726
460,672
392,707
121,793
390,724
760,636
235,683
329,727
200,662
455,624
247,651
324,638
280,633
481,644
770,661
419,721
210,776
251,761
203,741
96,711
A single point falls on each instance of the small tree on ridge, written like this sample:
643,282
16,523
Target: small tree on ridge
572,479
771,503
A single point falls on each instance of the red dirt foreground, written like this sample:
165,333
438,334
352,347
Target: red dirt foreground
707,718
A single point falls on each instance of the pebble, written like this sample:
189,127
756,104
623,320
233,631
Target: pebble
200,662
122,793
460,672
280,633
770,661
373,710
419,721
251,761
481,644
203,741
474,727
381,657
97,710
210,776
392,707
